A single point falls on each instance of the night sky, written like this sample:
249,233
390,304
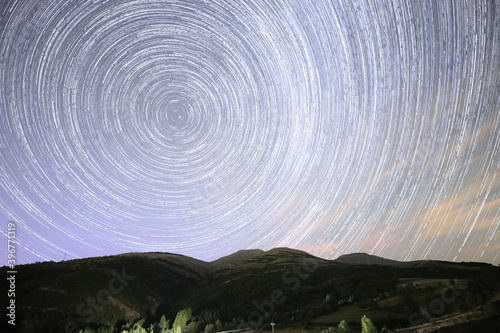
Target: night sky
203,127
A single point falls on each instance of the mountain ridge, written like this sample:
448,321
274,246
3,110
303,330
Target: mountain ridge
361,258
241,256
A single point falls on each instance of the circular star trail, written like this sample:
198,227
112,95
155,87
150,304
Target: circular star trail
203,127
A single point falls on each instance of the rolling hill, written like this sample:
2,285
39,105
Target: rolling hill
367,259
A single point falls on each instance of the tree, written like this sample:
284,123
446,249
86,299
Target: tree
367,326
230,325
164,323
210,328
329,330
181,320
193,326
138,324
218,325
343,327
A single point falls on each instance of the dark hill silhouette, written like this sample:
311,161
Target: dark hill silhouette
260,259
368,259
187,266
235,259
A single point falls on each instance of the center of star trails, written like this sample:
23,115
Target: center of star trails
177,116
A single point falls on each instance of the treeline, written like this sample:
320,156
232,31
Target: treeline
184,322
366,327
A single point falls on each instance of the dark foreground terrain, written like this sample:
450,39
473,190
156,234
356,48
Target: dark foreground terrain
161,292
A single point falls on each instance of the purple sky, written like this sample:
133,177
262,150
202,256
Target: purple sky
203,127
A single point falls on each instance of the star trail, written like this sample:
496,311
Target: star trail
203,127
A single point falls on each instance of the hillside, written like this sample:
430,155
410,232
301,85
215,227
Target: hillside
234,260
249,287
53,294
367,259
